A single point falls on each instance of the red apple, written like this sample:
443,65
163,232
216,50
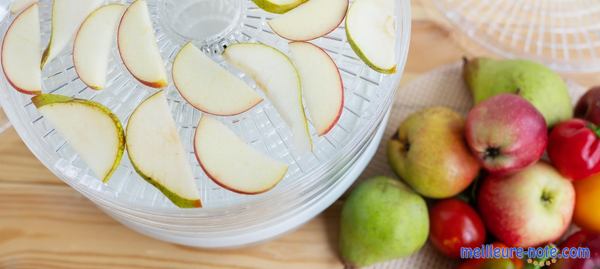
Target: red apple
529,208
583,239
507,133
588,106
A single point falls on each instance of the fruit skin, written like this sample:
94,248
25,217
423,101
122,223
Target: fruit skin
529,208
455,224
173,197
429,153
536,83
363,57
19,89
506,133
588,106
269,6
574,148
583,239
587,199
159,84
382,219
48,99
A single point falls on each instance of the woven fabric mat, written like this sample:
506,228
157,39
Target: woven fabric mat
443,86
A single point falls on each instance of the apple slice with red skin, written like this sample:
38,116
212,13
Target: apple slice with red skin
21,52
138,48
209,87
93,41
233,164
322,86
310,20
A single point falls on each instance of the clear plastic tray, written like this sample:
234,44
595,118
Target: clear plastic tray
368,96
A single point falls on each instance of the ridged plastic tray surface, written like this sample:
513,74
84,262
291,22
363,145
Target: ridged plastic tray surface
368,95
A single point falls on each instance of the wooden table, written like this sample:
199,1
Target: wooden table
46,224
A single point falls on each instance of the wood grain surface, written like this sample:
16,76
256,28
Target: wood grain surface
46,224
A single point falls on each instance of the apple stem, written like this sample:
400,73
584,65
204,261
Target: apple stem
595,129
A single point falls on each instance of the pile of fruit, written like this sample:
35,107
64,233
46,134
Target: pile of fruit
484,178
309,78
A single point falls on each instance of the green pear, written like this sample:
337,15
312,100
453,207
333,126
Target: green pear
429,153
382,219
542,87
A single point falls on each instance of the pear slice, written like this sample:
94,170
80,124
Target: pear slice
278,6
21,52
322,86
310,20
138,48
156,152
93,42
89,127
209,87
67,15
371,31
276,75
19,5
233,164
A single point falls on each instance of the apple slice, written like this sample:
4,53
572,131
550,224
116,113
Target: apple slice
276,75
233,164
371,31
209,87
91,48
19,5
310,20
138,48
67,15
322,86
89,127
278,6
156,152
21,52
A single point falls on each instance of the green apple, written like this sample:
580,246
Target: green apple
371,31
382,219
278,6
67,16
539,85
233,164
138,48
275,74
89,127
429,153
21,52
93,42
156,152
208,86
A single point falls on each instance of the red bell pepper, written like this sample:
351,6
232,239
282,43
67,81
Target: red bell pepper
574,148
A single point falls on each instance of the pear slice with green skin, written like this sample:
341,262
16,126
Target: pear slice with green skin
233,164
67,16
278,6
138,48
21,52
156,152
19,5
371,32
208,86
310,20
89,127
274,72
93,42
